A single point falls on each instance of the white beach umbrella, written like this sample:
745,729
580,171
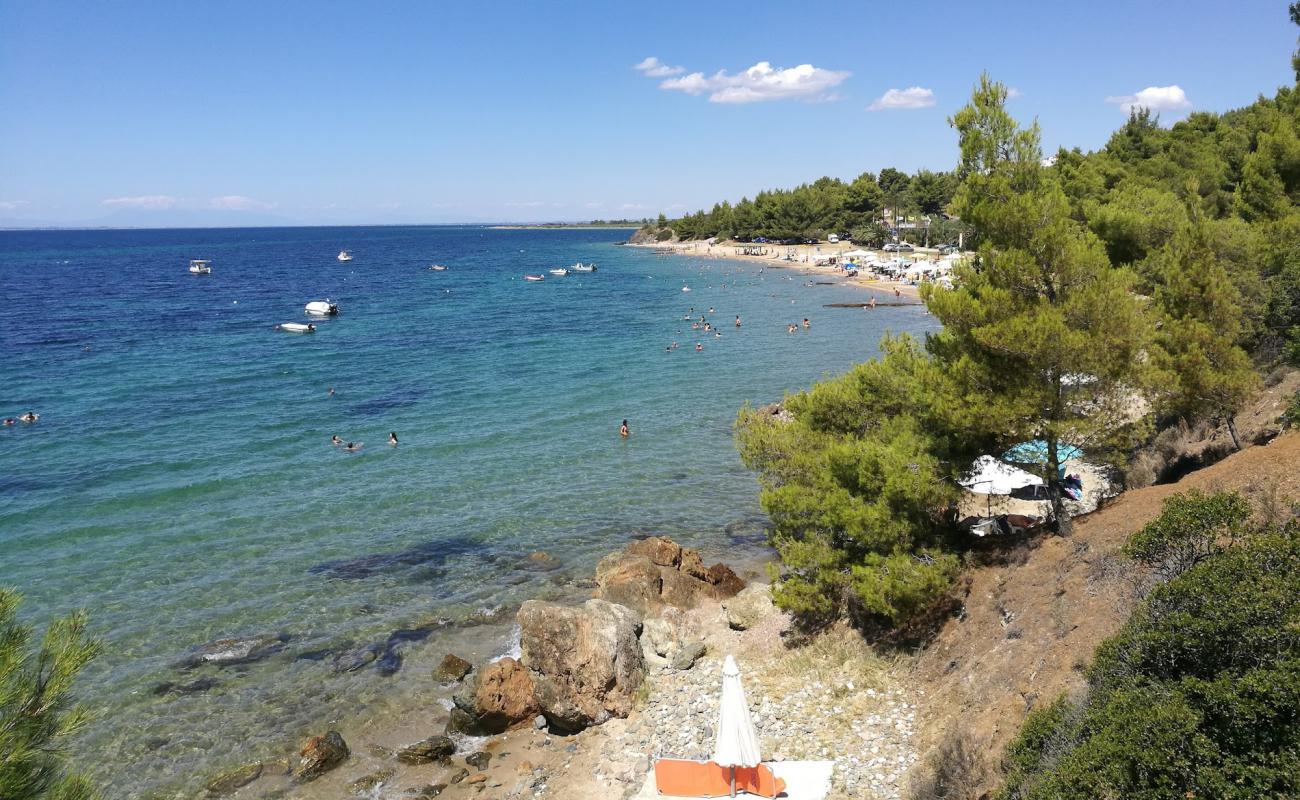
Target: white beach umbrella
737,744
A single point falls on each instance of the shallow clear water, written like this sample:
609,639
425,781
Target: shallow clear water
181,485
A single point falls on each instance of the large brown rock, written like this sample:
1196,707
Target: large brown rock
585,662
319,755
502,697
654,573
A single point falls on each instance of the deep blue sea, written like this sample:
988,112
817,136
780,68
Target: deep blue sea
180,484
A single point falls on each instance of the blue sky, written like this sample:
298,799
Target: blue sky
231,113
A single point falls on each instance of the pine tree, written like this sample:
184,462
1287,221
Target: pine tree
1043,340
37,713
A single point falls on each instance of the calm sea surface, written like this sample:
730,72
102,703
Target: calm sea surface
181,486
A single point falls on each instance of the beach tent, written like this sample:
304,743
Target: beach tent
857,254
990,476
737,741
1035,452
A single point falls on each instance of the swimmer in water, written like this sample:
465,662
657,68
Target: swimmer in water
710,309
10,421
806,323
352,447
335,440
30,416
623,431
331,391
392,438
791,328
872,304
737,320
699,346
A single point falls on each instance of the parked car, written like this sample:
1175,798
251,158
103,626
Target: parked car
833,239
891,247
760,240
904,247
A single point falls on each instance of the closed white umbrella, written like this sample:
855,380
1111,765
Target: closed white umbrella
737,744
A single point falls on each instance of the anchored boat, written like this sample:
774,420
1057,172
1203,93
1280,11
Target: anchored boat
534,278
296,327
344,255
321,308
200,267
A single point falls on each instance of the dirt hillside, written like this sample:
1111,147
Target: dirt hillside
1035,613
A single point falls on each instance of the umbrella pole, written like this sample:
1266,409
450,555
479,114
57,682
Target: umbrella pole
733,781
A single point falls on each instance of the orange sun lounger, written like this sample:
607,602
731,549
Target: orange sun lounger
707,779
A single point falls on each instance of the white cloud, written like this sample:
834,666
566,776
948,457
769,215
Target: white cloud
760,83
237,202
1013,93
150,201
631,207
652,67
911,97
1156,98
11,205
595,205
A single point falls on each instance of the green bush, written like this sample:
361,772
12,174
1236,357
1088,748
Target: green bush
1191,528
1198,696
37,714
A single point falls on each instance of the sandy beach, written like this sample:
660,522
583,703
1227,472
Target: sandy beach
801,258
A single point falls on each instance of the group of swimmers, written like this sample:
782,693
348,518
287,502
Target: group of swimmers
29,417
703,325
792,327
353,447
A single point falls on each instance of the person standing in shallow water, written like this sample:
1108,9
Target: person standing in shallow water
392,438
623,431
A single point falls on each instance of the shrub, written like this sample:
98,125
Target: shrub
954,770
1197,696
1189,530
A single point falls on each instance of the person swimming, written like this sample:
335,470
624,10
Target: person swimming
10,421
352,447
699,346
791,328
392,438
30,416
331,391
872,304
623,431
737,320
335,440
806,323
710,309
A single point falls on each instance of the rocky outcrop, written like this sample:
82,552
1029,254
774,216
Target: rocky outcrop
427,750
750,607
319,755
653,573
230,780
688,654
452,668
585,662
503,696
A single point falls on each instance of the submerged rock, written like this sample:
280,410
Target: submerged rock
193,687
353,660
227,782
426,751
319,755
367,783
585,662
452,668
235,650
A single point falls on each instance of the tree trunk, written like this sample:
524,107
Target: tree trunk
1056,490
1232,431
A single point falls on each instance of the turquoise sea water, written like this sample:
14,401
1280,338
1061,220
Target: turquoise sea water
181,485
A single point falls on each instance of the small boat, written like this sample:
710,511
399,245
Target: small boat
686,288
344,255
439,267
561,271
296,327
200,267
321,308
534,277
581,267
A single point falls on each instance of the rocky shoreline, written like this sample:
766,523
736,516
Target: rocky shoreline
600,689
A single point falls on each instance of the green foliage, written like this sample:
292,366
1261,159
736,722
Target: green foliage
1197,696
1191,528
854,485
37,713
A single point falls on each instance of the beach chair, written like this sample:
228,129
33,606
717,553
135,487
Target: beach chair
679,778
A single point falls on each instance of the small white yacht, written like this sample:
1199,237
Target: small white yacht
559,271
581,267
344,255
321,308
296,327
200,267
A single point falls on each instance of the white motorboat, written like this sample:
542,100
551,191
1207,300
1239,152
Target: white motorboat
686,288
581,267
534,278
200,267
439,267
561,271
344,255
296,327
321,308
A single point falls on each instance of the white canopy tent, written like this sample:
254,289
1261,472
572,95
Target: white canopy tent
989,476
857,254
